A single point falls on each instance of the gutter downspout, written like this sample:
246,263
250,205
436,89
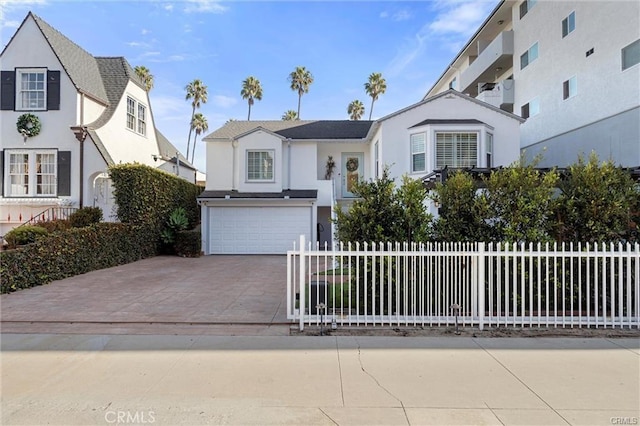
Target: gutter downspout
288,163
234,178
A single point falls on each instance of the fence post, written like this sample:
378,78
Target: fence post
480,283
302,283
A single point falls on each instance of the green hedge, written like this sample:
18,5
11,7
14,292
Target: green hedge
75,251
145,195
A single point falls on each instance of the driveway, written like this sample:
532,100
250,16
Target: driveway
164,294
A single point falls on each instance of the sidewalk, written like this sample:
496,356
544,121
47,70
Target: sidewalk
300,380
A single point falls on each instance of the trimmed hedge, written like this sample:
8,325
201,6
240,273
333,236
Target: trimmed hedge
26,234
75,251
188,243
85,216
145,195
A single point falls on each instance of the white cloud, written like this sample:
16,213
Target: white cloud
11,24
168,7
462,18
384,14
170,106
204,6
137,44
223,101
145,31
401,15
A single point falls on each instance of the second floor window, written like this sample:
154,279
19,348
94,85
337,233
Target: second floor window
136,116
568,24
32,89
260,165
529,56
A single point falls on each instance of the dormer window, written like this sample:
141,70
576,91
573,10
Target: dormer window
136,116
31,90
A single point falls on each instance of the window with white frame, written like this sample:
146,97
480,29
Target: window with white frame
260,166
568,24
631,55
526,6
489,149
529,56
30,173
31,89
570,88
456,149
136,116
418,152
376,150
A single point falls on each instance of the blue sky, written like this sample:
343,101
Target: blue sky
222,43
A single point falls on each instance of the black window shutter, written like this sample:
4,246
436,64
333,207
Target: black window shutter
8,90
53,90
64,173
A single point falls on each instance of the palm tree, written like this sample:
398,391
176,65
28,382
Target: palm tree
145,75
251,89
197,91
375,87
290,115
300,80
198,124
355,110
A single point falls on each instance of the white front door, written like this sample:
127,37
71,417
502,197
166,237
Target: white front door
352,172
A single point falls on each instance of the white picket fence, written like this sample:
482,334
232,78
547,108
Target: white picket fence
492,285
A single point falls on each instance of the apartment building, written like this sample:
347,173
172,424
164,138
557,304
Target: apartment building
570,68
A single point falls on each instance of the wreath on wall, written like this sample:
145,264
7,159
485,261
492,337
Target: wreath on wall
352,164
28,125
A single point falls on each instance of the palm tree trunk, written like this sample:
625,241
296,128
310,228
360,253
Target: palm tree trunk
371,110
193,153
299,99
249,115
193,113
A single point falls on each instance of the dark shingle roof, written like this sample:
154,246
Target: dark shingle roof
167,149
447,121
297,129
291,193
81,67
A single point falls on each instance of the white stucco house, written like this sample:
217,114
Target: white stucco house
267,184
93,112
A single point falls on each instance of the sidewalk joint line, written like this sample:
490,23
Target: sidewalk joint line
328,416
404,410
620,346
339,370
494,413
520,380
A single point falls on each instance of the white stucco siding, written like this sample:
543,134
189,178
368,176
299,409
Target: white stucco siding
603,89
303,159
125,145
88,109
260,141
220,165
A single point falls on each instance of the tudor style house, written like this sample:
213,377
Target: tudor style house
65,117
570,68
268,182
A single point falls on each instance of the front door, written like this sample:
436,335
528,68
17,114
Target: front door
352,172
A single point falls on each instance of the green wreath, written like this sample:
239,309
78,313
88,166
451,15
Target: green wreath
352,164
28,125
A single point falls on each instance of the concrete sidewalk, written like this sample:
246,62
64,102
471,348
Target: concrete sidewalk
166,380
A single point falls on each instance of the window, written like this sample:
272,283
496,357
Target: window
531,108
136,116
418,152
568,24
569,88
452,83
489,150
377,158
456,150
631,55
31,89
260,165
526,6
31,173
529,56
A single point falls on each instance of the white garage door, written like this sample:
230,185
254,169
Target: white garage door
257,230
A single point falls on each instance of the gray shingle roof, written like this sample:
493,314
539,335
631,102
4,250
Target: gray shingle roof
81,67
167,149
447,121
298,129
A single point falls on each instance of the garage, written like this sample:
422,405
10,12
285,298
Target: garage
256,223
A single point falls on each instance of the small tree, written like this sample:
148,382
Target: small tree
519,201
461,213
597,202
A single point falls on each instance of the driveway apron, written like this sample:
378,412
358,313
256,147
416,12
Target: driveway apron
184,293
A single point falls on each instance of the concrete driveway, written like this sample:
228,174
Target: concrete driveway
164,294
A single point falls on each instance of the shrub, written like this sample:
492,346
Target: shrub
85,216
177,222
55,225
188,243
74,251
25,234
